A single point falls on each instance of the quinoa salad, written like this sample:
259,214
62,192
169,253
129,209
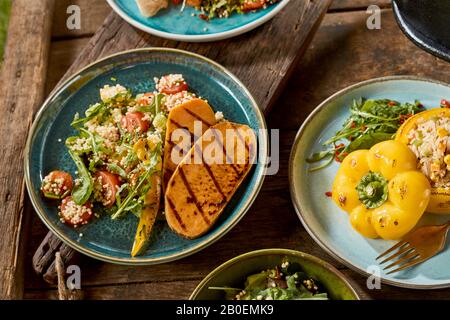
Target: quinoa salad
430,141
117,150
207,9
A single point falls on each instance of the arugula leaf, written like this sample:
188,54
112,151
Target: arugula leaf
82,191
370,122
90,113
114,168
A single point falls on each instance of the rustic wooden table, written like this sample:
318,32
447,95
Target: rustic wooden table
343,52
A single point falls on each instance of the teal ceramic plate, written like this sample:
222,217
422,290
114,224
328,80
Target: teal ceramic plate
325,222
173,24
104,238
234,272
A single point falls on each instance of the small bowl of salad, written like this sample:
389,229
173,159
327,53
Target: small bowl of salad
275,274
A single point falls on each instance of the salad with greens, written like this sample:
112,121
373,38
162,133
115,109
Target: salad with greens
208,9
284,282
370,122
224,8
117,150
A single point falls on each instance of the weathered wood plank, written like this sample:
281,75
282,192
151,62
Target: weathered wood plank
94,12
259,63
62,55
345,5
345,52
335,59
173,290
182,289
21,91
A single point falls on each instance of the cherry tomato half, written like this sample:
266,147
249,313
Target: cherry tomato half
251,5
175,88
74,214
57,184
109,184
134,121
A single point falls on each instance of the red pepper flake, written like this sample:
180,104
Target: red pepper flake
392,103
203,16
445,103
337,153
329,194
353,125
404,117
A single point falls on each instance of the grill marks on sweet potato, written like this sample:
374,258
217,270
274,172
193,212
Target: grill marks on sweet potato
205,181
184,117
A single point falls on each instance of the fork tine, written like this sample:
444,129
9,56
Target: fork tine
402,250
410,264
398,245
411,255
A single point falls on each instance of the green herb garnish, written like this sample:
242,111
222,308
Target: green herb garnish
370,122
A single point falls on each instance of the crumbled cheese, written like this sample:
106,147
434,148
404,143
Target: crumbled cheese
153,140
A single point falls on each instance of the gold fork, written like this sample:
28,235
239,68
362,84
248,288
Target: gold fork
416,247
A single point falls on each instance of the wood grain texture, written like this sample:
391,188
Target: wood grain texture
21,91
262,65
342,53
345,52
346,5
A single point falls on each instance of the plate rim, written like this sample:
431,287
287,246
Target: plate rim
275,251
176,256
299,208
202,37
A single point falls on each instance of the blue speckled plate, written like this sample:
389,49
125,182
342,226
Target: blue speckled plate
326,223
173,24
104,238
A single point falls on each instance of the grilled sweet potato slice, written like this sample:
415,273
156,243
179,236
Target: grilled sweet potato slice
209,175
184,116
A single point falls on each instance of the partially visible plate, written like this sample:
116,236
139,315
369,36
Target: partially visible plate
327,224
234,273
426,23
173,24
111,240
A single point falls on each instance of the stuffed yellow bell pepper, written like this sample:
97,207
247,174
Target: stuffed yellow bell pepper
428,135
382,190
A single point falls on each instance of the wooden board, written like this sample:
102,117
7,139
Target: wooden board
343,52
262,65
21,91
